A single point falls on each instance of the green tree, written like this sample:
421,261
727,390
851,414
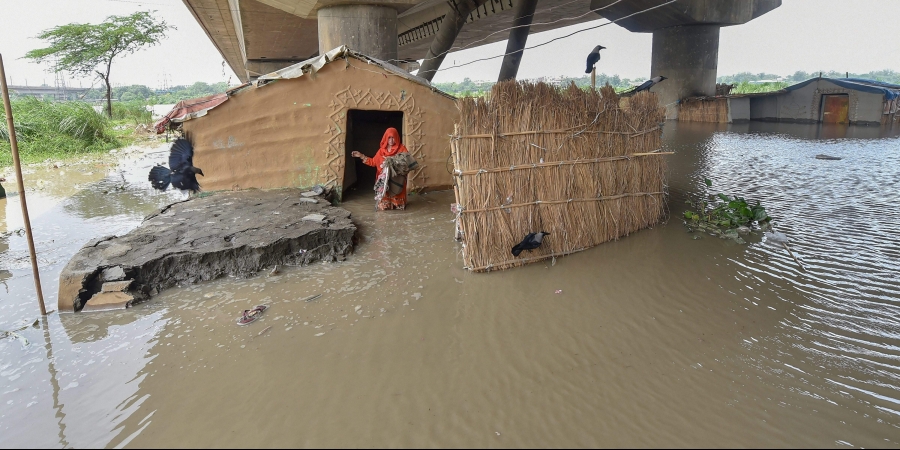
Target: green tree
88,49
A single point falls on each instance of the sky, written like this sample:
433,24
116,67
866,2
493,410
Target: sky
808,35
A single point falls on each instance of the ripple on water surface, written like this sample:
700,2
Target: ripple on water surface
655,339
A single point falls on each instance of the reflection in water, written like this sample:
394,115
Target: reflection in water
656,339
54,383
4,246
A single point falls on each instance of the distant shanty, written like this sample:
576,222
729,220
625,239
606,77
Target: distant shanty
817,100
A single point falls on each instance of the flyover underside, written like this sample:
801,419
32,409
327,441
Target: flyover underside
492,26
259,36
255,38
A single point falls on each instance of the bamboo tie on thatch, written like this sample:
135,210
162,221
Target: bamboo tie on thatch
563,131
600,179
559,163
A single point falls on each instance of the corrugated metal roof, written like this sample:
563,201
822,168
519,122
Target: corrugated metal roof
890,91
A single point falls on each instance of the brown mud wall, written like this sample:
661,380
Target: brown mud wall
291,133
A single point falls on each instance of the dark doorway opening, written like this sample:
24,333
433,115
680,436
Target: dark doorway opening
364,131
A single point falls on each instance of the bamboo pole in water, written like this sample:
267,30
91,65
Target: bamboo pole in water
15,154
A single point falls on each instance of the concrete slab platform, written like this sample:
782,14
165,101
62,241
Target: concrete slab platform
226,233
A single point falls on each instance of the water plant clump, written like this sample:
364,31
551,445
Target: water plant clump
725,217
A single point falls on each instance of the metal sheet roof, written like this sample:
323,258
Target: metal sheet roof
890,91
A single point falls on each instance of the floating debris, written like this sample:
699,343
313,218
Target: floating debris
781,239
311,298
828,158
250,315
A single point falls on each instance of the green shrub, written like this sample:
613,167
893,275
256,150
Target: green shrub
133,111
46,129
755,88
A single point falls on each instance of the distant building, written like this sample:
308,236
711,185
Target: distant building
817,100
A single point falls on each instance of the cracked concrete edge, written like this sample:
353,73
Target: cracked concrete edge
78,279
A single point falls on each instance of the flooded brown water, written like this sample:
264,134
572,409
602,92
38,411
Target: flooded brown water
654,340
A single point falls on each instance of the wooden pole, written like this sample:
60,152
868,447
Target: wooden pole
594,78
15,154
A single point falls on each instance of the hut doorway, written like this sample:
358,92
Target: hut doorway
835,108
364,131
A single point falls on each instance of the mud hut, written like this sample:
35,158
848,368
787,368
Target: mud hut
297,127
574,163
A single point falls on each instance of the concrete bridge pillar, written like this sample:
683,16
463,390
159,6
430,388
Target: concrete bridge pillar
685,38
368,29
518,36
688,57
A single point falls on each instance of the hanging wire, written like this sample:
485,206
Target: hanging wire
533,24
471,43
556,39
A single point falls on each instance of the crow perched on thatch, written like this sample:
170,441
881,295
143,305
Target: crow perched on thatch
531,242
645,86
593,58
181,172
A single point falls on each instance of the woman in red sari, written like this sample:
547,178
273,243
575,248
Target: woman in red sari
390,146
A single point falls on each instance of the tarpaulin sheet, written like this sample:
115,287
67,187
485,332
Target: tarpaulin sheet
890,91
313,65
189,109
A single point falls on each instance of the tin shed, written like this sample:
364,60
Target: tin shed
296,127
829,100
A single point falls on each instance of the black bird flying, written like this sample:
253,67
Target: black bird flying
645,86
531,242
593,57
181,172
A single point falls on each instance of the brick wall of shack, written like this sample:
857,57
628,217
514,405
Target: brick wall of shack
804,105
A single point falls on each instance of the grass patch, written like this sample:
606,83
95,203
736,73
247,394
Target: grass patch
56,130
132,112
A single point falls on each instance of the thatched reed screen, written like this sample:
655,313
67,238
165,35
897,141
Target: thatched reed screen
703,109
533,157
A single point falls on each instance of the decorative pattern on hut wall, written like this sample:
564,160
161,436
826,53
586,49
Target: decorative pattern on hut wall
350,98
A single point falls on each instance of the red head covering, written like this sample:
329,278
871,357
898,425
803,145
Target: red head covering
397,148
384,151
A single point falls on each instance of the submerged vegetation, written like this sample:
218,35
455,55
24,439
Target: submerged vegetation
725,217
755,88
745,82
57,130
